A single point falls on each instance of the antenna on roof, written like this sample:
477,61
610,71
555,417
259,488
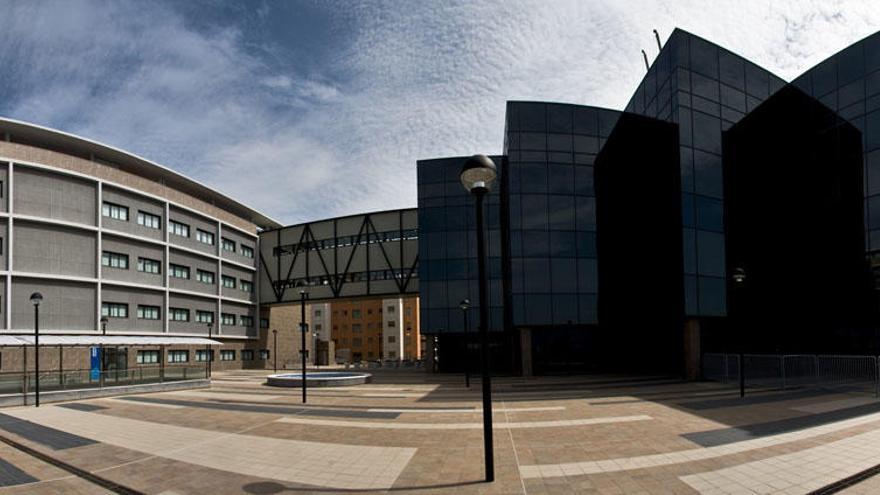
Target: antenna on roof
657,36
647,65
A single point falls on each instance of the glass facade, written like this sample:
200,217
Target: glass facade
849,83
551,149
704,89
448,248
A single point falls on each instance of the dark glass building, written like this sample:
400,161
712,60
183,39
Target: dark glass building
614,235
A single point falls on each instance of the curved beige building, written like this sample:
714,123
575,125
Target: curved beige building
101,232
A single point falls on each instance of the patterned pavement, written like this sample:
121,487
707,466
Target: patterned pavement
411,432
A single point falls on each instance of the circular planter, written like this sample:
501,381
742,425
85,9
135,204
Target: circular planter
319,379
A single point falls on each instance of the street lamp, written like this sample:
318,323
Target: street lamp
104,321
739,278
477,175
36,299
465,305
315,347
303,295
208,349
275,349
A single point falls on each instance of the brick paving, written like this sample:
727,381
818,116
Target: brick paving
410,432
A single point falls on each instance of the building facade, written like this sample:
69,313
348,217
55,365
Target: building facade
617,239
610,229
103,233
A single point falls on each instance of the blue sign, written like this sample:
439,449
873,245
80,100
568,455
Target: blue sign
95,373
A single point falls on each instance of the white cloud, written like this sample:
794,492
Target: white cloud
410,80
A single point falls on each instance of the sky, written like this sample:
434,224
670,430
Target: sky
307,110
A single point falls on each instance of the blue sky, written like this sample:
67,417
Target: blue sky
312,109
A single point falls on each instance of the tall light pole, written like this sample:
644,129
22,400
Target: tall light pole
104,321
465,305
315,347
275,350
477,175
208,349
739,277
36,299
303,295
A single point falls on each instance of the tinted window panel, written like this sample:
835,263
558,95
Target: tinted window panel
562,213
707,132
561,179
534,211
710,257
708,174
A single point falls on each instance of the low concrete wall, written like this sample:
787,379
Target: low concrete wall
91,393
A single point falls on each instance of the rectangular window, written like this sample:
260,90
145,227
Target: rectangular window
228,245
204,237
147,357
204,317
147,265
247,354
228,319
228,282
247,251
227,355
178,356
203,355
148,312
178,314
246,286
246,321
392,339
114,310
178,271
392,324
264,354
114,260
356,313
355,328
264,322
114,211
356,342
390,309
205,277
178,228
317,312
149,220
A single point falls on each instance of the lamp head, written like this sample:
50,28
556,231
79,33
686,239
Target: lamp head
104,320
36,298
465,304
739,275
479,171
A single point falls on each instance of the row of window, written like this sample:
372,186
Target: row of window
202,355
348,240
147,312
147,265
149,220
375,275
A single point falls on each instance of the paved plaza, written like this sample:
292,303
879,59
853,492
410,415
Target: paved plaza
411,432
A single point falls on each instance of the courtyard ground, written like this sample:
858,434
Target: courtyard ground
412,432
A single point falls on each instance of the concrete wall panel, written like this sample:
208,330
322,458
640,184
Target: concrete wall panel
46,248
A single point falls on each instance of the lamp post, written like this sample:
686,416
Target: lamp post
465,305
104,321
36,299
208,349
739,278
303,295
315,347
275,350
477,175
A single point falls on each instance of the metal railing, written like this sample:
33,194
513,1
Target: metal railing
789,371
17,383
